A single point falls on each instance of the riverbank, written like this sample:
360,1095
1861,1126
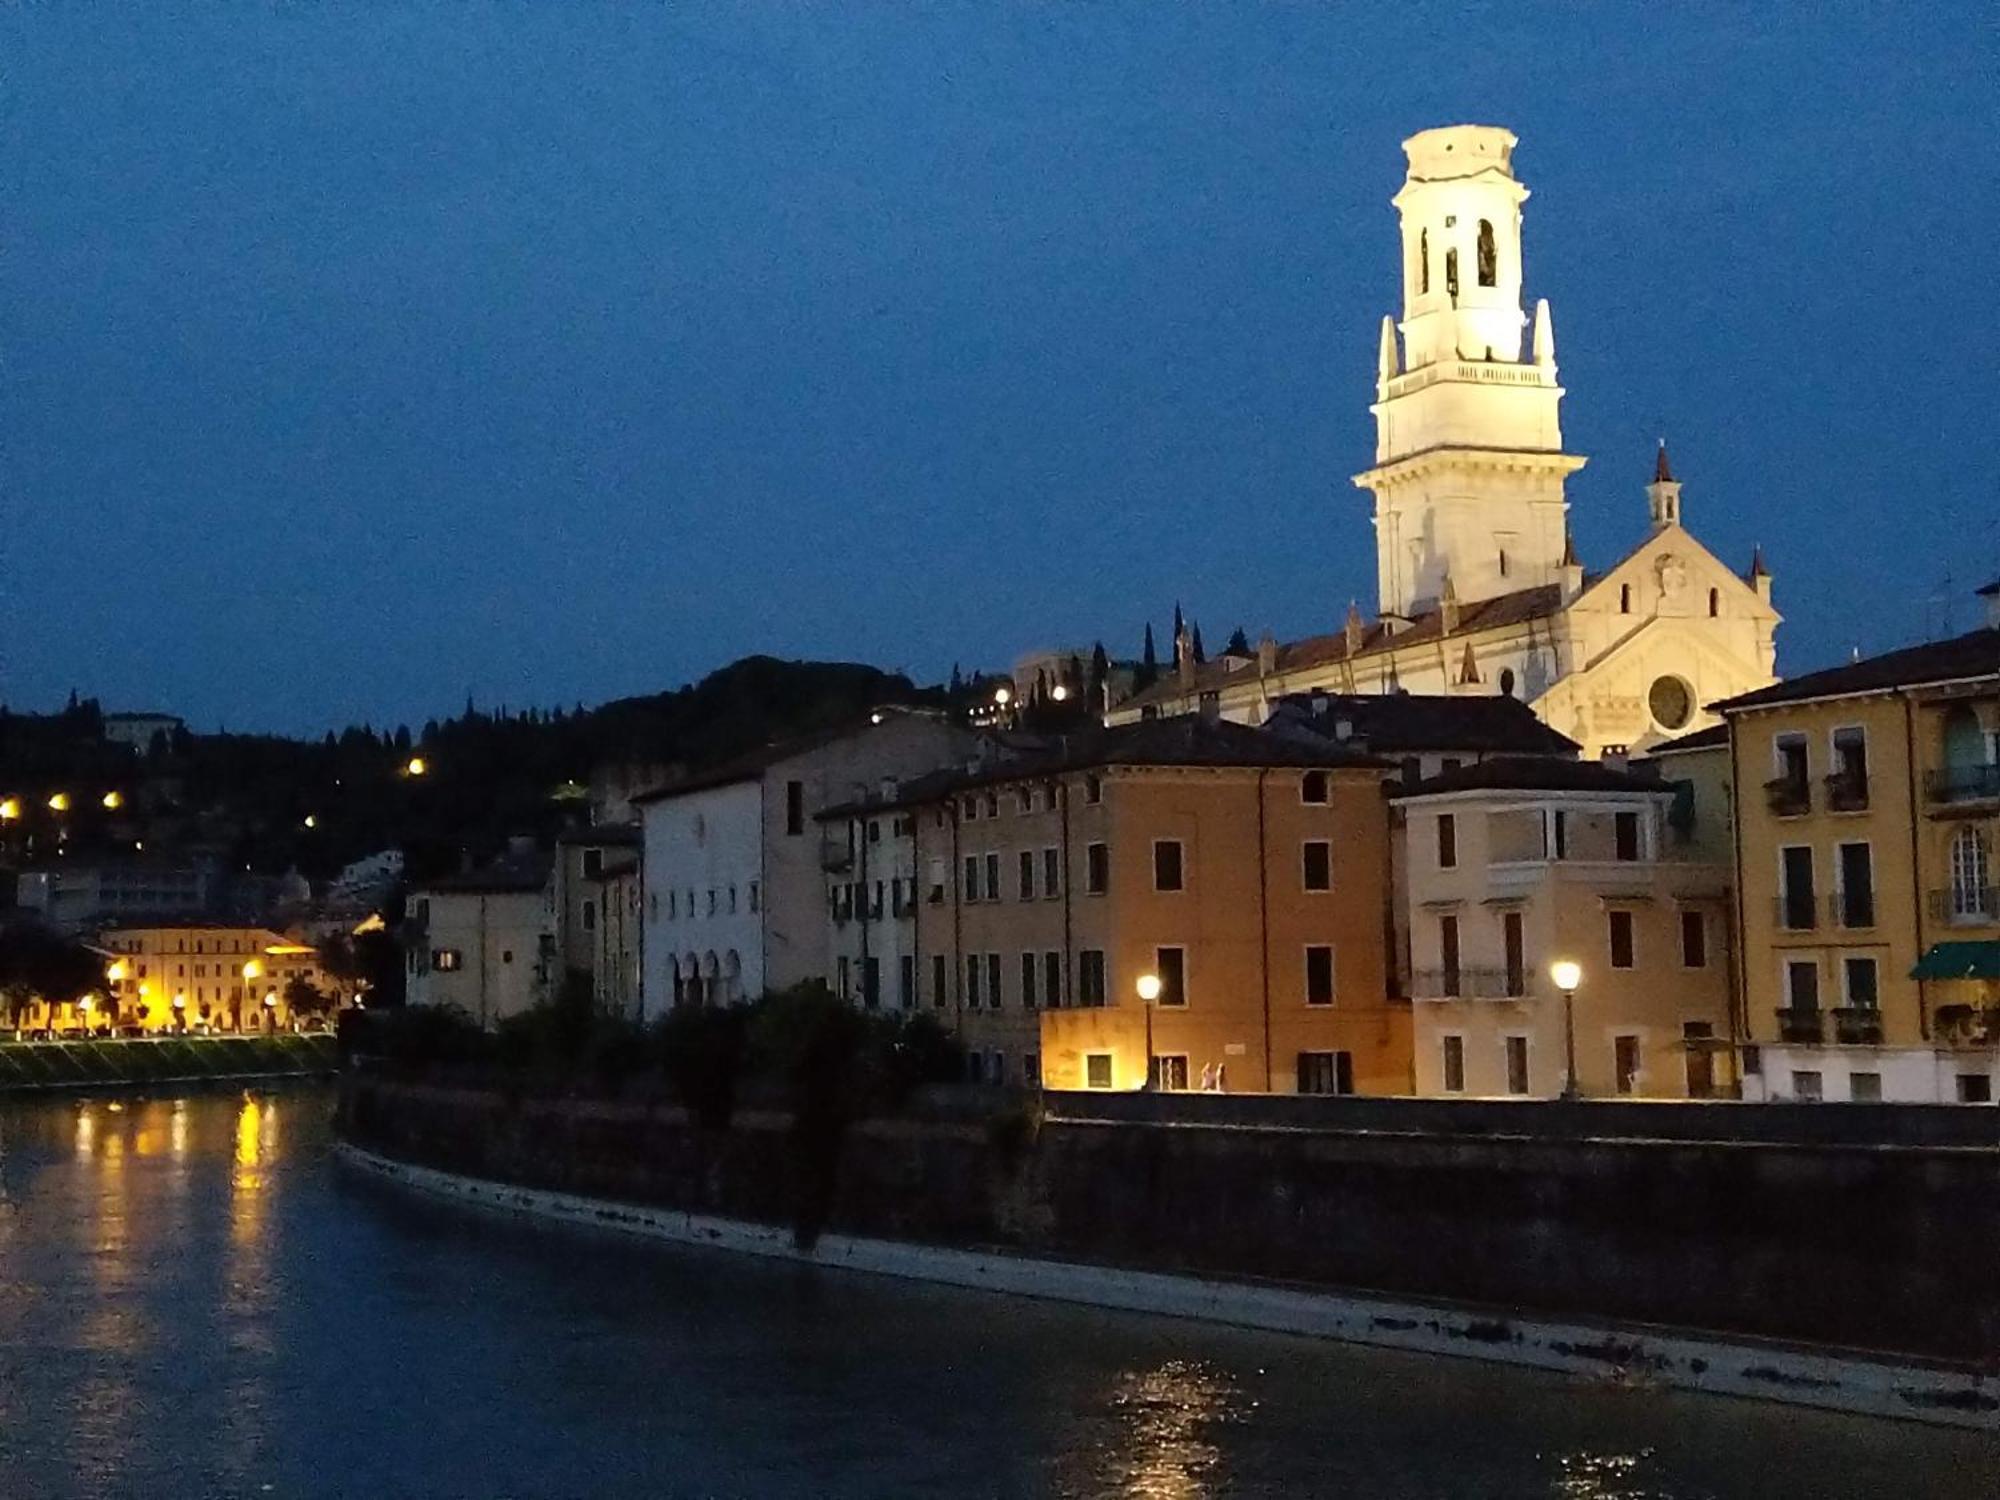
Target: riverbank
1267,1227
42,1067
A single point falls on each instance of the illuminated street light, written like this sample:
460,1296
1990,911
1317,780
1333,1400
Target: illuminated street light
10,809
1567,974
113,801
1059,692
311,821
1149,991
252,969
59,802
1149,987
416,767
1003,696
117,971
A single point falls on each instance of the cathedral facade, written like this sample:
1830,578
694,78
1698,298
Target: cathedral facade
1479,588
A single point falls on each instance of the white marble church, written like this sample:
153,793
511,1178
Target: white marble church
1480,588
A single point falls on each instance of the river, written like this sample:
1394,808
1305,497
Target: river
196,1300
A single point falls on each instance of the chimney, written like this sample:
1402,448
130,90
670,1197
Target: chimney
1267,654
1353,628
1616,757
1570,569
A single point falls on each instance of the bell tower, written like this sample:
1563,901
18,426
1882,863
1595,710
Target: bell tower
1469,467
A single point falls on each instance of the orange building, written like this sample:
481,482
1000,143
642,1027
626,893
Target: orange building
1245,870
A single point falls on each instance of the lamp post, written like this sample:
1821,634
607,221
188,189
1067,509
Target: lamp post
1567,973
1149,991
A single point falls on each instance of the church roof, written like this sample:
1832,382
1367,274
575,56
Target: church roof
1539,603
1404,723
1533,773
1975,654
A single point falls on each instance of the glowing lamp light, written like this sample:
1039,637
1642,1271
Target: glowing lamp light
59,802
113,801
311,821
1567,973
1059,692
270,999
252,969
117,971
87,1004
1003,696
875,718
1149,987
10,809
417,766
180,1002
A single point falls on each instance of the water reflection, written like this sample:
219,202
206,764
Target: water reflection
1163,1423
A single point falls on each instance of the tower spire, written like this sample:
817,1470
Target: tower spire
1663,495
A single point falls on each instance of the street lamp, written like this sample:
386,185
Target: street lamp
1003,696
113,801
1567,973
59,802
417,766
1059,692
1148,987
85,1005
10,809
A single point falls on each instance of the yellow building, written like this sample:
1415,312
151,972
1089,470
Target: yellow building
1868,805
1515,864
1245,870
205,978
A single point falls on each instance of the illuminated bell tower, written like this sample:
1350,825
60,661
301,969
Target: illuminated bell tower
1469,467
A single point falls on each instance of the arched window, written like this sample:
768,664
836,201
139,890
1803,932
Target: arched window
1489,267
1971,892
1714,603
1451,273
1313,787
1624,598
1423,261
1506,682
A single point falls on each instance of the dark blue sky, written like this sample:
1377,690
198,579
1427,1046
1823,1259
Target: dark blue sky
359,356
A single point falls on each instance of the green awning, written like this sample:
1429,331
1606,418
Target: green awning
1959,961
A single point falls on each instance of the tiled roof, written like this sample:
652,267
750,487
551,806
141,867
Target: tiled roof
514,875
1536,603
1534,773
1403,723
1714,737
1975,654
752,764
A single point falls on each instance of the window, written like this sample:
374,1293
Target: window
871,982
971,809
1451,273
1024,800
1093,790
1694,940
996,1071
1031,1069
1489,259
506,955
992,804
1802,985
711,901
993,980
906,981
971,877
972,969
1167,864
1859,976
1624,598
1850,754
843,978
993,877
732,900
795,808
940,982
593,863
1312,787
1625,835
590,916
1319,974
673,904
1506,682
1620,923
1714,603
1326,1072
1864,1088
1975,1088
1795,887
1448,954
447,960
1318,865
1090,977
1027,874
1097,1070
1030,966
1514,944
1857,886
756,895
1171,965
1452,1063
1806,1083
874,830
1970,893
1096,869
1559,834
1625,1063
1170,1072
1447,841
1423,261
1516,1048
1051,873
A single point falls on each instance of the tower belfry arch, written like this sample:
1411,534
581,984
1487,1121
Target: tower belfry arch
1469,467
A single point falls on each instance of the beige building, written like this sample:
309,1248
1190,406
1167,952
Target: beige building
594,904
484,940
1479,588
207,978
1868,799
1512,865
1242,869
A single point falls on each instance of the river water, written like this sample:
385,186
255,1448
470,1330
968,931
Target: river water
196,1300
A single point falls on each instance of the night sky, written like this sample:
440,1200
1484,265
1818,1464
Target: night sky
356,357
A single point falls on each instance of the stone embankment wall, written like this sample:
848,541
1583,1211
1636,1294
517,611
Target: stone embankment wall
1817,1239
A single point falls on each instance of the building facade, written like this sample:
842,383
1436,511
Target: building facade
1868,798
593,901
1514,865
210,978
1479,589
483,941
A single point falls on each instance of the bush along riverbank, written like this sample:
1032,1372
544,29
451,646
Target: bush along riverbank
31,1067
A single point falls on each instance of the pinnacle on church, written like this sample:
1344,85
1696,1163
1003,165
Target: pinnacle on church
1662,474
1569,557
1757,568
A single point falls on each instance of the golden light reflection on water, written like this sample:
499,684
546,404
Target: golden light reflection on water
1162,1419
1603,1476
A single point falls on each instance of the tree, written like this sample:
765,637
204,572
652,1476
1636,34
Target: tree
304,998
1239,643
1100,673
36,963
1180,626
1200,652
1149,663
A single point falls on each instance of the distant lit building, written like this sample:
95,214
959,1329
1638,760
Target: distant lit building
78,895
210,977
483,940
137,731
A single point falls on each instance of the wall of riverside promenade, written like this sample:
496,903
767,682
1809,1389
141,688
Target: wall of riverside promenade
1775,1228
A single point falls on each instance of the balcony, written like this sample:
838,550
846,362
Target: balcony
1949,785
1847,791
1801,1026
1851,909
1788,796
1968,906
1796,912
1858,1026
1470,984
1966,1025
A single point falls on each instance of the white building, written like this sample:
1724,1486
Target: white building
733,867
135,731
483,940
1479,588
869,852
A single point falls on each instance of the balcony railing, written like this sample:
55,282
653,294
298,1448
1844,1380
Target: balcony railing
1972,905
1851,908
1470,984
1847,791
1801,1025
1858,1026
1973,783
1795,913
1788,796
